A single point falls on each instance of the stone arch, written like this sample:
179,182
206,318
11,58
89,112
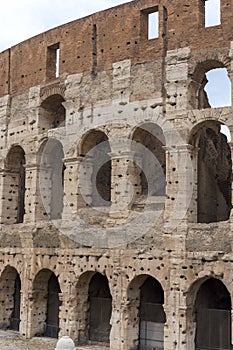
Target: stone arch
95,184
51,179
145,299
150,161
213,172
209,314
14,186
197,96
52,113
10,298
94,308
45,304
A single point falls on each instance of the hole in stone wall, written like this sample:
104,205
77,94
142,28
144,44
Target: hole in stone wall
150,23
218,87
153,25
210,86
52,64
52,113
212,12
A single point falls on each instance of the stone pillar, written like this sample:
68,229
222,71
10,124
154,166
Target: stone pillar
5,110
26,311
9,182
176,77
34,209
72,198
124,182
175,329
181,168
2,196
180,204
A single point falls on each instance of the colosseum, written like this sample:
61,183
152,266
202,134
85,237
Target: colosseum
116,180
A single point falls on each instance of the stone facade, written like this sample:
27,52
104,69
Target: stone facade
115,181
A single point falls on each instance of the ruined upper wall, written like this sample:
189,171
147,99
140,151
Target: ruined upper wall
93,43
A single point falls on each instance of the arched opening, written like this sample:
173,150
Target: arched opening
52,113
146,316
10,296
210,86
46,304
96,186
213,316
148,145
214,173
14,199
52,178
218,87
53,303
100,309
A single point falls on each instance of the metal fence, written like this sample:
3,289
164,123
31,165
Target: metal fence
100,314
51,331
151,327
14,323
213,329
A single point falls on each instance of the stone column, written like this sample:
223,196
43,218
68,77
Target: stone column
34,208
2,196
9,182
181,176
180,204
72,197
176,79
124,182
5,110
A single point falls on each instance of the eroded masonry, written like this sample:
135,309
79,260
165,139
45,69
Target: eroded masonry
116,180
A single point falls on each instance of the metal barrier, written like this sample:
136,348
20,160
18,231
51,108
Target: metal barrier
51,331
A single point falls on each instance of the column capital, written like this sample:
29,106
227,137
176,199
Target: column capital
181,148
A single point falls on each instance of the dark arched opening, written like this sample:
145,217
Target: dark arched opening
152,315
100,309
52,178
53,303
46,304
213,316
14,201
15,316
214,173
150,165
10,297
210,86
97,162
52,113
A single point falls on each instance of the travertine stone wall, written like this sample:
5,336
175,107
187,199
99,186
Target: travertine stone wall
139,105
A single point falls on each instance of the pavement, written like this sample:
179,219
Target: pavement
10,340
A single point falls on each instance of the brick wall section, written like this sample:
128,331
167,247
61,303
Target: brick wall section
119,36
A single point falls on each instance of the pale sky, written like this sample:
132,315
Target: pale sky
22,19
